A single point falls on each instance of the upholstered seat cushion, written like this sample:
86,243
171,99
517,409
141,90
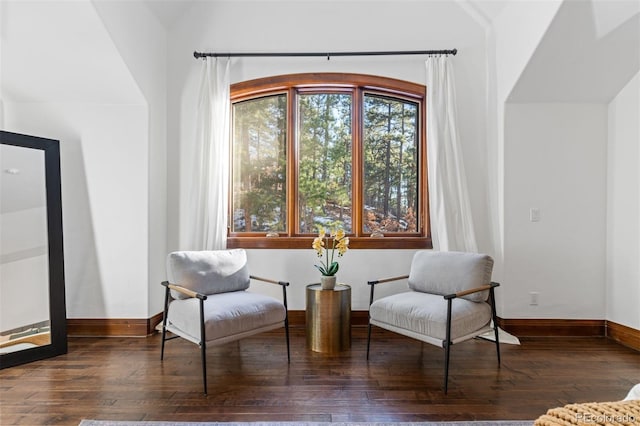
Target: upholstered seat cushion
450,272
226,314
425,314
208,272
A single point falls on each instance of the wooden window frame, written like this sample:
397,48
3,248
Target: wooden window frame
358,85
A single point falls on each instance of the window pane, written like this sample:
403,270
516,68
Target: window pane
324,181
259,165
390,165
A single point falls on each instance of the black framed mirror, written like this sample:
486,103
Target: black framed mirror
32,288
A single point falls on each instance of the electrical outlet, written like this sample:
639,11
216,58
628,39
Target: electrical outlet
533,298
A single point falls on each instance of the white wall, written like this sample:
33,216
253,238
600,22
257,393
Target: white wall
142,42
110,109
512,39
33,275
326,26
98,83
563,260
555,160
623,207
356,268
104,167
24,267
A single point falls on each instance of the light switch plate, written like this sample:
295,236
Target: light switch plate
534,214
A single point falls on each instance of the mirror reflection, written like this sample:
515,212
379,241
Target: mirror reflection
24,263
32,294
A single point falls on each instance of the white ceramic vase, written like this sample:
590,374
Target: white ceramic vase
328,282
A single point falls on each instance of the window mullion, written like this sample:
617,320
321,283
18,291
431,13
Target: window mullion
357,163
292,163
425,221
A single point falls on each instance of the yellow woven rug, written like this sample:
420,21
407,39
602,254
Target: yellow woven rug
625,413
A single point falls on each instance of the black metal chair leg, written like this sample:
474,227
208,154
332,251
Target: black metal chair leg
368,340
446,366
447,346
286,328
492,296
286,316
497,344
373,288
203,351
164,322
203,346
164,335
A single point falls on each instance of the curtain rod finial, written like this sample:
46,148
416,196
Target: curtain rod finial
455,51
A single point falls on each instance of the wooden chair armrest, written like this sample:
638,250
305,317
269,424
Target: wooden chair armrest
266,280
185,291
284,286
386,280
471,291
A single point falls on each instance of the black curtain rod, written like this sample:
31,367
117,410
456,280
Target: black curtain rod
327,54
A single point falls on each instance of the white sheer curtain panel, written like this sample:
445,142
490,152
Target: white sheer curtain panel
450,212
209,197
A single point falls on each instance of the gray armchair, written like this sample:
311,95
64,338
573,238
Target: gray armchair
206,301
450,299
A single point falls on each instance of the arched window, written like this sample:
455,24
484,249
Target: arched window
331,150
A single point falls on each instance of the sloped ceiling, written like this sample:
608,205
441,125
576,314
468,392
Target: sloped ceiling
588,54
483,11
591,49
55,51
168,11
489,8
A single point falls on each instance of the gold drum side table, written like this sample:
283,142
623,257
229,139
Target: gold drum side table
328,318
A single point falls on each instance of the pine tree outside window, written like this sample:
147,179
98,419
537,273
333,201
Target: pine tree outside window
340,151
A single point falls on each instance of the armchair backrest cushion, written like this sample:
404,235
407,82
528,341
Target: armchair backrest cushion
450,272
208,272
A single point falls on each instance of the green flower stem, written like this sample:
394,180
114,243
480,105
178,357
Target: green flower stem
333,248
327,264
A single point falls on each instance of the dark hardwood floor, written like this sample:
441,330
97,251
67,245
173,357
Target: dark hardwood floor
124,379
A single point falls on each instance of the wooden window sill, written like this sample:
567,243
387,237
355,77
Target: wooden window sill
305,242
